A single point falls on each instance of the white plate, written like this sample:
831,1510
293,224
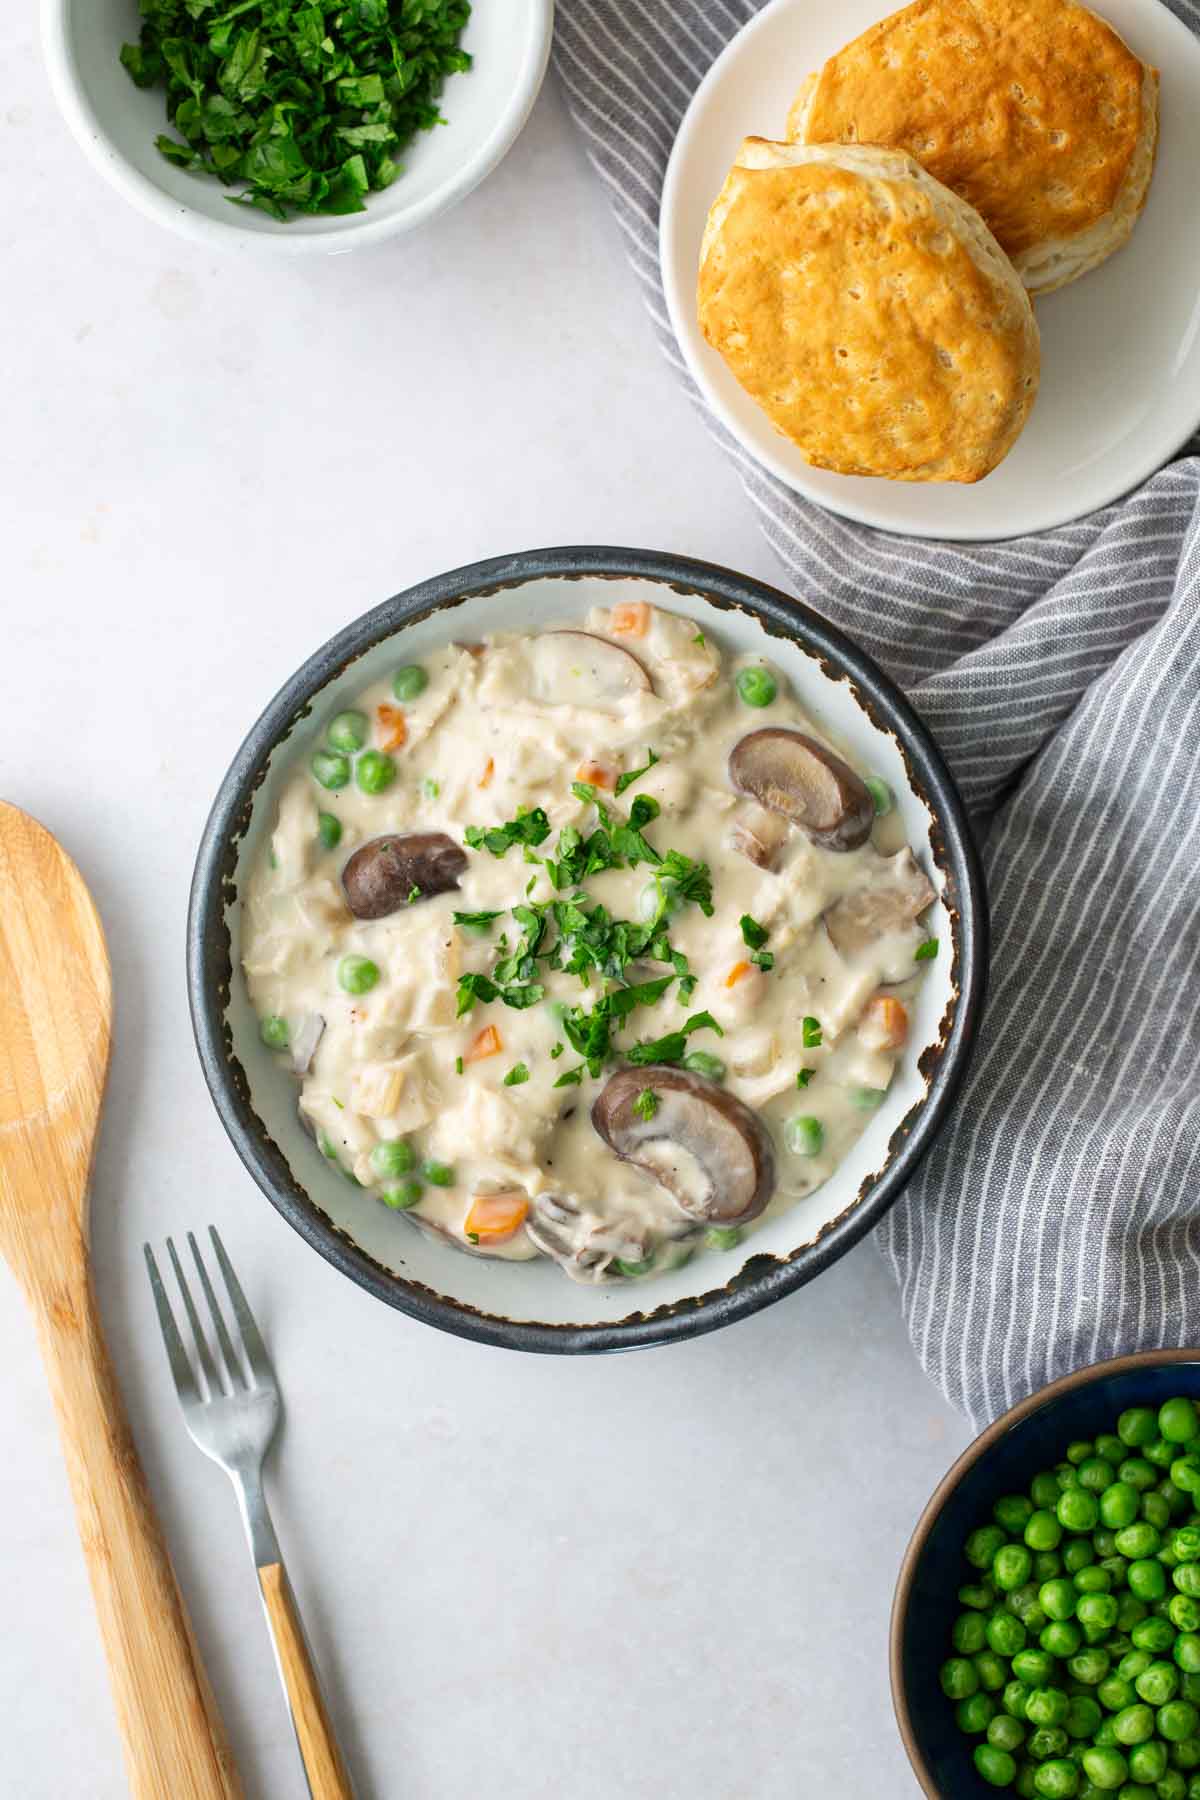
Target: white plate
1120,387
115,124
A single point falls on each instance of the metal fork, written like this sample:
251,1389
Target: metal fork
234,1424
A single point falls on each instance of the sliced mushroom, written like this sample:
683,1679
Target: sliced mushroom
899,893
304,1044
391,872
794,775
704,1146
757,834
576,668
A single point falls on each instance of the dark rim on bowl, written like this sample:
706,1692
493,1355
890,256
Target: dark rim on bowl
763,1278
1091,1372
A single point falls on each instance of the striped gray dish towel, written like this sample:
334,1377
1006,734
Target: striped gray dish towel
1057,1220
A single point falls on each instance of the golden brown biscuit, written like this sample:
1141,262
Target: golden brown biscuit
1035,111
869,311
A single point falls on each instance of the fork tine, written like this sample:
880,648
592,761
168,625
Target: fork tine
215,1390
252,1344
233,1366
181,1368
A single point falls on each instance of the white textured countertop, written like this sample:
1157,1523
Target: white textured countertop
657,1575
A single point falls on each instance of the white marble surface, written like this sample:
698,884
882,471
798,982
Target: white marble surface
657,1575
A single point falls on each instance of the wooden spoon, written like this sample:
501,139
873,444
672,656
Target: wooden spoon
55,1031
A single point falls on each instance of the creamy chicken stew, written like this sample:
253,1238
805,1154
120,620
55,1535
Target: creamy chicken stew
585,943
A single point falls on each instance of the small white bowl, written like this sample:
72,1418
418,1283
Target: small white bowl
116,124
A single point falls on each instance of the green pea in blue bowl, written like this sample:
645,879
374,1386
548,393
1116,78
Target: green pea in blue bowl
1059,1428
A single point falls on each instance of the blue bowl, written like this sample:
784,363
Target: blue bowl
1003,1460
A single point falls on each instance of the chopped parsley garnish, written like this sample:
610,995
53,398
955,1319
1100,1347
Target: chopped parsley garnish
414,893
804,1076
531,828
631,775
431,789
458,1065
570,1077
557,1052
472,1237
303,106
673,1047
927,951
810,1032
476,921
518,1074
646,1104
700,639
481,987
754,936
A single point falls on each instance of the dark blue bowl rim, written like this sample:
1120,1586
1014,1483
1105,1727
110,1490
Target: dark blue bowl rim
763,1279
974,1452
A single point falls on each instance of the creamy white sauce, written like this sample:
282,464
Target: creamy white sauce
509,729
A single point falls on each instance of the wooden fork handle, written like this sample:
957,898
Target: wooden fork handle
327,1777
175,1745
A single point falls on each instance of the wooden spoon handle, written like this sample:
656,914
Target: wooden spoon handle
327,1777
175,1746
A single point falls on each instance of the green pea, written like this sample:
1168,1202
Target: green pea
1177,1720
1137,1426
1061,1637
1177,1421
991,1670
1023,1601
1189,1683
1011,1567
330,769
1012,1513
1185,1754
1138,1473
400,1195
702,1062
974,1715
1158,1684
1185,1543
1155,1510
1005,1633
1047,1705
1013,1699
409,681
756,687
1058,1598
1095,1579
329,830
1083,1716
804,1136
1004,1732
1110,1447
1095,1474
1138,1540
1147,1579
1104,1541
1176,1499
1090,1666
996,1767
1185,1472
1077,1510
881,794
1045,1491
1023,1786
981,1596
1133,1663
1078,1451
439,1173
1155,1635
1187,1579
348,731
357,974
394,1157
1047,1741
1043,1531
1115,1693
374,771
1077,1555
1097,1611
274,1032
1161,1453
1106,1769
866,1099
1058,1780
1186,1650
728,1237
1134,1724
1036,1669
1148,1762
1173,1786
1130,1611
1066,1475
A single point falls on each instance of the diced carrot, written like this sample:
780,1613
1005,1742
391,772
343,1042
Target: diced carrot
601,775
886,1020
393,725
630,619
735,974
487,1042
494,1218
489,769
